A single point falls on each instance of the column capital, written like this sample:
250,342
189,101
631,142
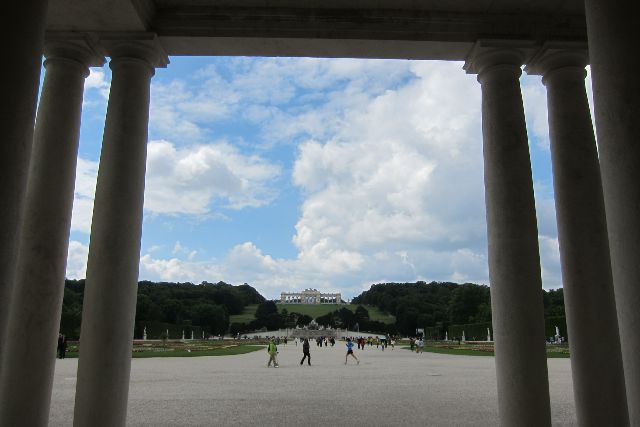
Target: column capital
555,55
489,53
80,47
144,46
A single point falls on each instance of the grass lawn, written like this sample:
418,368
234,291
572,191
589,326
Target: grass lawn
247,315
224,351
376,314
313,310
171,350
485,350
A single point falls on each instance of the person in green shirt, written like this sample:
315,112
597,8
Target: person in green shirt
272,349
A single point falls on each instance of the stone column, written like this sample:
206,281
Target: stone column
25,22
108,312
514,261
612,33
34,319
596,361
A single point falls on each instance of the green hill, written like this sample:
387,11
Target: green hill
313,310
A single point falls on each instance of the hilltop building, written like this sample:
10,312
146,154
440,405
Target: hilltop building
310,296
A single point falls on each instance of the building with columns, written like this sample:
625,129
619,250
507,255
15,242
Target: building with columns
597,189
309,296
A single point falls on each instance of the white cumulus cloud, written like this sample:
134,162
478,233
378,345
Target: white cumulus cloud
77,260
188,180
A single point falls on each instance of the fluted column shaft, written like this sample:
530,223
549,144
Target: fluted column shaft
514,261
596,361
108,314
24,21
612,33
25,388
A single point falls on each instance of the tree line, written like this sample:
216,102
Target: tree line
204,309
441,304
176,307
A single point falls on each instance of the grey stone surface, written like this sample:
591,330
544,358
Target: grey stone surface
584,246
425,29
394,387
512,235
616,91
112,267
40,268
25,21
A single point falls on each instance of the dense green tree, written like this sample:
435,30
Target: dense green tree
553,302
438,305
173,311
174,306
212,317
361,314
266,309
465,303
303,319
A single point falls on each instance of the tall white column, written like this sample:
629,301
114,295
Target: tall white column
32,331
514,261
25,22
596,361
108,312
612,32
34,319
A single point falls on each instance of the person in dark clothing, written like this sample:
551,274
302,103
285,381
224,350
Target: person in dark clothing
60,340
63,349
62,346
305,352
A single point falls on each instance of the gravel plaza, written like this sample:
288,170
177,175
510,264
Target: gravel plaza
391,387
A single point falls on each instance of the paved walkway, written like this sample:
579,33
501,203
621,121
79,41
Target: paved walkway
387,388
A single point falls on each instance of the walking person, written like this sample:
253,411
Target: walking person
63,348
350,352
60,341
305,352
272,349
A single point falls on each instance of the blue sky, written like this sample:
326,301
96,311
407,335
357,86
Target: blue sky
289,173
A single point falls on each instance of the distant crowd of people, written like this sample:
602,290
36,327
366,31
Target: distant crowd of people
379,342
417,344
351,342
